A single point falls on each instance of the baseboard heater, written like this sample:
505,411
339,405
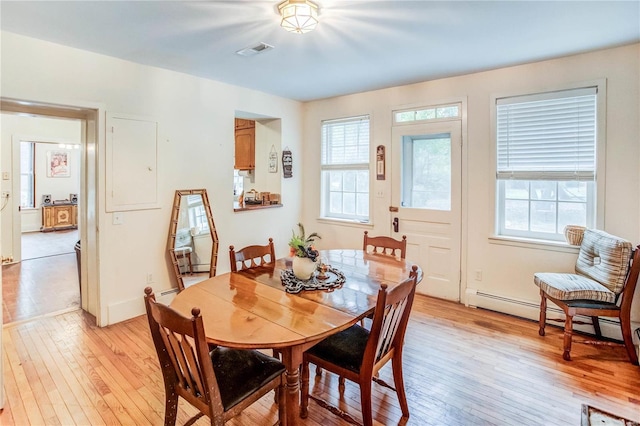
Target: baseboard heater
167,292
531,310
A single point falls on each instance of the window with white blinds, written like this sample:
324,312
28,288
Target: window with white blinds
546,147
548,136
345,169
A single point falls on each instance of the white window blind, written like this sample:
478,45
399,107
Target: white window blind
548,136
345,141
345,169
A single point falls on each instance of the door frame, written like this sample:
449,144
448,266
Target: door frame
92,128
464,178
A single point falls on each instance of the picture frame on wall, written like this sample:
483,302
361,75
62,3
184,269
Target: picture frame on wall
58,164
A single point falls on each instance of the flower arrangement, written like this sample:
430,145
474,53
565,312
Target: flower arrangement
302,246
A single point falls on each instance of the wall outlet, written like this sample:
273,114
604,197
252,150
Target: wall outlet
380,193
149,278
5,175
478,274
6,194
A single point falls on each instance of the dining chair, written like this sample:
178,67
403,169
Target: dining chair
357,354
605,278
252,256
220,382
385,245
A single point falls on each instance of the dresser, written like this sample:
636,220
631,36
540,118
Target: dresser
59,216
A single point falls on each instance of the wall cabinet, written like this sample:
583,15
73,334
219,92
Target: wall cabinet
59,216
245,144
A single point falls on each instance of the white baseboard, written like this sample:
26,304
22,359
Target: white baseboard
125,310
132,308
610,327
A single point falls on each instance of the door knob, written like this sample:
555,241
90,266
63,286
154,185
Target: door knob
396,224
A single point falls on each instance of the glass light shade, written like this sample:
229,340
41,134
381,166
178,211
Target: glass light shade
298,16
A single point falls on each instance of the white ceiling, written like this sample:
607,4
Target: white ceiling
358,45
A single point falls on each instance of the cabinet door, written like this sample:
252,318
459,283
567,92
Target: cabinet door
63,216
131,163
245,149
244,124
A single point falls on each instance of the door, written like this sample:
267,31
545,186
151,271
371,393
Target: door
426,189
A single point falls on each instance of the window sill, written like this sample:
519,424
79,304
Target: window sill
559,246
345,222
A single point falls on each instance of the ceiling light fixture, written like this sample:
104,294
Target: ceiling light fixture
298,16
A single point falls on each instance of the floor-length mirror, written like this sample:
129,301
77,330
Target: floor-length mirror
193,241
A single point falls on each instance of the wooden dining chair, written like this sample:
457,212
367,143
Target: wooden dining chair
606,276
252,256
385,245
357,354
220,382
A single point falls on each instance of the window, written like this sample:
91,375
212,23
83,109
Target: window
27,175
441,112
197,214
546,163
238,184
345,169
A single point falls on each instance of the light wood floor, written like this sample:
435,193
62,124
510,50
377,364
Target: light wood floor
462,367
46,282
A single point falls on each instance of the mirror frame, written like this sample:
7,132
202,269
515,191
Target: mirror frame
173,230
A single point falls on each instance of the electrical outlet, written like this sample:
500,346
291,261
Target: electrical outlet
149,278
478,274
6,194
380,193
5,175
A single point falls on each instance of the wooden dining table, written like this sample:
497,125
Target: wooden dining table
250,309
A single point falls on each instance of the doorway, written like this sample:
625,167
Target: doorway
426,187
90,130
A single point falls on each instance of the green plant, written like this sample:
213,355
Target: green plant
302,245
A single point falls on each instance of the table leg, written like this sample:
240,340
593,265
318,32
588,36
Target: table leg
292,359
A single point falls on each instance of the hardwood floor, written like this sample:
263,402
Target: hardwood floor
46,282
462,367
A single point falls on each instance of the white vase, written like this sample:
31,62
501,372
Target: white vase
303,267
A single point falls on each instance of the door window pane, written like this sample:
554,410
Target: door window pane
426,172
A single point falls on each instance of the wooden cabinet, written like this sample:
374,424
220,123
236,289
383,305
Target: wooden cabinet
244,124
245,144
59,216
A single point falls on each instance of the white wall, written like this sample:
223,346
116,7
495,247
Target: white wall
507,269
196,139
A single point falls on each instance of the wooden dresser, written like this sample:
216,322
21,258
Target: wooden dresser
59,216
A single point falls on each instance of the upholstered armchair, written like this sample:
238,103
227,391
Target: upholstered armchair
605,278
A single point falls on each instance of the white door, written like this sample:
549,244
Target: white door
426,177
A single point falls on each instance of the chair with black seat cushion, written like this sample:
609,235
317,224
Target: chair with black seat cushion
385,245
605,278
220,382
357,354
252,256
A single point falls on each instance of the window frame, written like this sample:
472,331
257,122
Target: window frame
598,187
30,174
359,166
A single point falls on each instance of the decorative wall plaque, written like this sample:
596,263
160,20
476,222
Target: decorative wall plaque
287,163
380,162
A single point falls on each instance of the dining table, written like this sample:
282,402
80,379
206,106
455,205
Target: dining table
251,309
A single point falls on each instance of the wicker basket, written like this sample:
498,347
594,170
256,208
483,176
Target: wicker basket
574,234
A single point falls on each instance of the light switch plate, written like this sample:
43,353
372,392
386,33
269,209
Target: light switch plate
117,218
